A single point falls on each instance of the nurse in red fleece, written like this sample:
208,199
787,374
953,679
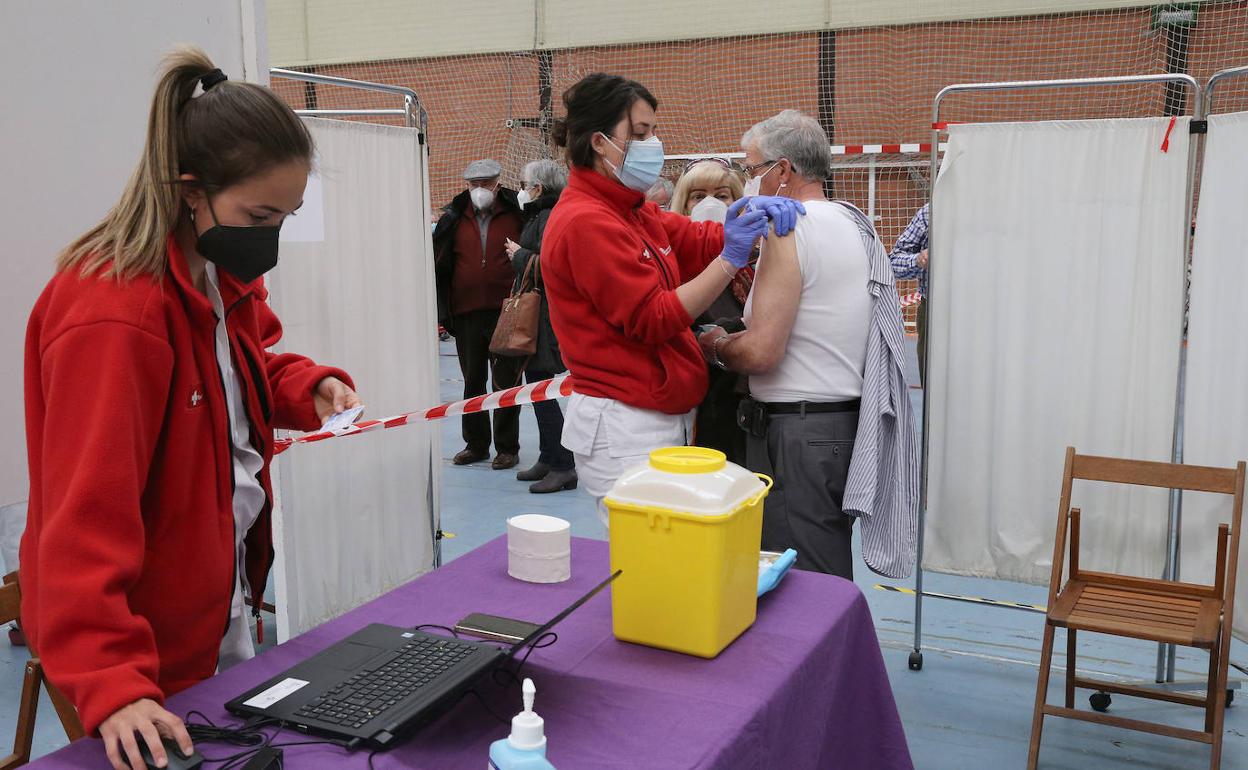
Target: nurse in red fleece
151,399
625,280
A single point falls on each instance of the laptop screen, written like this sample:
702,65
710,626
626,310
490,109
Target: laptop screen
541,630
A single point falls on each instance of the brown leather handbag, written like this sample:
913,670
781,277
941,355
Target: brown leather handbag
516,331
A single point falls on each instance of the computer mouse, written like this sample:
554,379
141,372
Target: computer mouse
177,760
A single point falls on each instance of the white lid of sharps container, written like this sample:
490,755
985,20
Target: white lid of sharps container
687,479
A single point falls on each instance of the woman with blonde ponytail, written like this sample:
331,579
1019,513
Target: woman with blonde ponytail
151,400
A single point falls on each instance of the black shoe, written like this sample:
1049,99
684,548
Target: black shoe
555,481
505,460
536,473
469,456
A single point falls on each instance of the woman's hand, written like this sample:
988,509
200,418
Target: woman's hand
741,230
511,246
783,212
149,720
332,396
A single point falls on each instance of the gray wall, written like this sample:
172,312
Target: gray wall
75,82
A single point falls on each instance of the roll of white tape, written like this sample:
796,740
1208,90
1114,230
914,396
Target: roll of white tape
539,548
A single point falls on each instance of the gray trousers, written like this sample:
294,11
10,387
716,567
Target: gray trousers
808,458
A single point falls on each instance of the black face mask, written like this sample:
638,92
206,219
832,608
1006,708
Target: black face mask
244,252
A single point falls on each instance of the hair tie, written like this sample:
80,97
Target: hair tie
211,79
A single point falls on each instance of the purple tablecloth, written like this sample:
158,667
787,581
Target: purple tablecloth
805,687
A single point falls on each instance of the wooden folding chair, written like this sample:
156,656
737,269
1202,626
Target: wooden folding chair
10,610
1178,613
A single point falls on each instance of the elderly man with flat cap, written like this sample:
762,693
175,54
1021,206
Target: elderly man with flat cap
474,276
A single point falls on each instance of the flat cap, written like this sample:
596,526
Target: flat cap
487,168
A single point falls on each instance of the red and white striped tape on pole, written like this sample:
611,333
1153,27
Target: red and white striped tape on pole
895,148
546,390
881,149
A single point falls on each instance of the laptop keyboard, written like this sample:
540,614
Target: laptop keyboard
366,695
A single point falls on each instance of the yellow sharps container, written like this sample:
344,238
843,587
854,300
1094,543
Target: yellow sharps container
685,529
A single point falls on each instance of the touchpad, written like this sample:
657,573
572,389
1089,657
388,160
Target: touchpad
349,656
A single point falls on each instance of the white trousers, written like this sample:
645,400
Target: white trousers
12,525
236,646
610,438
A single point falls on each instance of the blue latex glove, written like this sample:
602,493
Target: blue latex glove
741,230
782,212
771,578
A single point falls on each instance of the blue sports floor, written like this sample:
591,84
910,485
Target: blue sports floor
969,708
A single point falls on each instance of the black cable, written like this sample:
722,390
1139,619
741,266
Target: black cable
247,736
486,706
447,629
324,741
515,675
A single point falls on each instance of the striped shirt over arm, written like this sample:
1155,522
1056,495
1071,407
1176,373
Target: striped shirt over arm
882,489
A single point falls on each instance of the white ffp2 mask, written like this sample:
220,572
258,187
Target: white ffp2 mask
709,210
482,198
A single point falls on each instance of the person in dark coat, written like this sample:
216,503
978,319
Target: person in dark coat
555,469
473,273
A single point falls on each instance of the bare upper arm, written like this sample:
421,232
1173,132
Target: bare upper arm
777,290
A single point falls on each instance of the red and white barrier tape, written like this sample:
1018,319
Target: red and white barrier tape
881,149
895,148
546,390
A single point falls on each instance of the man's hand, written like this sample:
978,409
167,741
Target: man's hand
706,341
921,260
511,246
150,721
332,396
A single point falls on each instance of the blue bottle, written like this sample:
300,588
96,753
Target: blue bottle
525,748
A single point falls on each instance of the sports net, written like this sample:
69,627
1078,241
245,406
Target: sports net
869,85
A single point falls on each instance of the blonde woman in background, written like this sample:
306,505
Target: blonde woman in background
707,178
704,192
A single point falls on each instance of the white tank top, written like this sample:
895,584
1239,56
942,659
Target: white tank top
828,345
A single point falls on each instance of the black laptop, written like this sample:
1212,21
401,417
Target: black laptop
380,684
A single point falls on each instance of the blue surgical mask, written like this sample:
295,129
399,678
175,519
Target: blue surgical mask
643,162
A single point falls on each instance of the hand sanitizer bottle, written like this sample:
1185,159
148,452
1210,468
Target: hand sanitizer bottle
525,748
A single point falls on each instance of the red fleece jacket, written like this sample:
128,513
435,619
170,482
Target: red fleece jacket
611,266
127,561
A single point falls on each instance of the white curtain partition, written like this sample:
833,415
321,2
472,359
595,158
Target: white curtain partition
355,289
1057,285
1216,398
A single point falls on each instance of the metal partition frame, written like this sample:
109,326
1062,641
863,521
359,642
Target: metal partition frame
414,116
1217,78
1165,655
412,112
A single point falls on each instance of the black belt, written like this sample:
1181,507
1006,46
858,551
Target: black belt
752,416
812,407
